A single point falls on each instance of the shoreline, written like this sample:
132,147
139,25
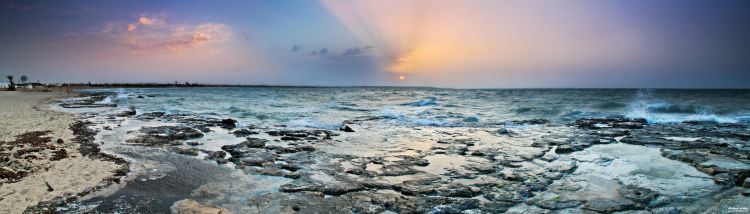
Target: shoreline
527,165
49,156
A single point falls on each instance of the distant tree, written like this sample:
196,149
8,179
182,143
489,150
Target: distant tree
12,86
24,79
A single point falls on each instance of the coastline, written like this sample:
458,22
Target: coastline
47,153
185,162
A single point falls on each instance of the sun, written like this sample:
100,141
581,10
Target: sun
402,78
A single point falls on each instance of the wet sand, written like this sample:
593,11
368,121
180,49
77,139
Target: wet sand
51,167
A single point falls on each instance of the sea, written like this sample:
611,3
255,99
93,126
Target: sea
327,107
472,137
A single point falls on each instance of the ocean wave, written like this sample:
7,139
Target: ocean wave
307,123
403,119
342,107
428,101
660,111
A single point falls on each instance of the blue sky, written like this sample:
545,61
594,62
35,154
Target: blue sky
467,44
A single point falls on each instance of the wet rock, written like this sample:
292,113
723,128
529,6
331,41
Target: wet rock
193,143
598,123
481,168
340,189
638,194
666,210
228,123
724,179
244,147
346,128
217,155
563,149
294,135
530,122
506,196
284,150
92,101
507,132
746,183
397,170
557,204
151,115
609,205
244,133
165,135
290,138
186,151
459,190
131,111
256,157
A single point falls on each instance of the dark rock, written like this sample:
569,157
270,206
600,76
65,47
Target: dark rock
459,190
228,123
217,155
193,143
290,138
151,115
131,111
340,189
558,204
397,170
609,205
724,179
504,131
746,183
530,122
563,149
255,158
597,123
244,133
506,196
165,135
141,96
186,151
346,128
638,194
666,210
244,147
60,141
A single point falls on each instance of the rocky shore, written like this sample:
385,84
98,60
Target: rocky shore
205,164
595,165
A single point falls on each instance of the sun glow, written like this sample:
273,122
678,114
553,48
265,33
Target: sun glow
402,78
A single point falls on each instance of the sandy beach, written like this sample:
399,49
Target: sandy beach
40,161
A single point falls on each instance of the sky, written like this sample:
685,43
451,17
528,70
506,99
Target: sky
441,43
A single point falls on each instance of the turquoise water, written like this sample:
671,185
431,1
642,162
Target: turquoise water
329,107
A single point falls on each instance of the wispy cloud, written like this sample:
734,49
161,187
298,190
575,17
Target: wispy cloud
154,34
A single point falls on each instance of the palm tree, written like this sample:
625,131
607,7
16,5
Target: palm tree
12,86
24,79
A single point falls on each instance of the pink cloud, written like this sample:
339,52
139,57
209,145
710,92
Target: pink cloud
154,35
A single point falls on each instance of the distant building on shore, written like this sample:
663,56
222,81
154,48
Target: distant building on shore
31,85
